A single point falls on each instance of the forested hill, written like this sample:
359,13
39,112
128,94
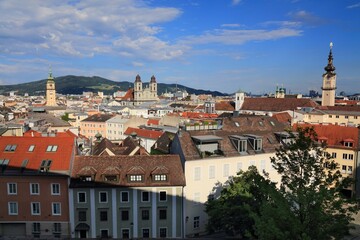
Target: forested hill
78,84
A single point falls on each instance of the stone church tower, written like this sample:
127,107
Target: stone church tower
329,82
146,93
50,91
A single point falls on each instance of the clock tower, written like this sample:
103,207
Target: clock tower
50,91
329,82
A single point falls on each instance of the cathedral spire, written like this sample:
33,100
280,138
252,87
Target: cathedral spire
330,67
50,74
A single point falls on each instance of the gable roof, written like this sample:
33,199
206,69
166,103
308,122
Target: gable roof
335,135
143,133
127,165
250,125
224,106
276,104
283,117
60,158
98,118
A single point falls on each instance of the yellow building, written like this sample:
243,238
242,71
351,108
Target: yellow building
50,91
342,144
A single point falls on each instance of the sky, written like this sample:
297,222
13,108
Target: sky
218,45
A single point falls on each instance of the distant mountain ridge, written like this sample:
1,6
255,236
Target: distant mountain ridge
78,84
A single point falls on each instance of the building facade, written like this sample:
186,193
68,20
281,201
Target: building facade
127,197
145,94
34,185
210,157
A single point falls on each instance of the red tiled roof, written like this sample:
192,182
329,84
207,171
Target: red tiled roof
355,108
283,117
60,158
276,104
153,121
335,134
224,106
129,95
125,165
346,102
143,133
198,115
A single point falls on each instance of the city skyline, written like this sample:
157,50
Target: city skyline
212,45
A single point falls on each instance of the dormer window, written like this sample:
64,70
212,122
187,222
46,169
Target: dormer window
255,142
51,148
239,142
31,148
110,178
135,178
45,165
348,143
86,178
10,148
4,163
160,177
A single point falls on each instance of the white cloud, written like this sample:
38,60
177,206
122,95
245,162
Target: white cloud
237,37
293,24
235,2
81,28
231,25
356,5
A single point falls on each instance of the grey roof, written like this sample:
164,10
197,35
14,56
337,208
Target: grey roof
207,138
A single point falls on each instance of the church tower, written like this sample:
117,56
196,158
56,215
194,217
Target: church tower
329,82
137,88
50,91
153,87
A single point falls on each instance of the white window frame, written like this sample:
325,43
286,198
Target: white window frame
31,148
10,208
104,229
197,173
53,208
166,231
165,196
31,189
128,229
107,197
52,189
121,196
142,199
226,170
142,232
78,197
212,172
196,222
10,188
33,209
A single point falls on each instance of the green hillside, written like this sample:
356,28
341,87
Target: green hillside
77,85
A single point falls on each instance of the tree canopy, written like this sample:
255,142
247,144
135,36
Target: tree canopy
307,204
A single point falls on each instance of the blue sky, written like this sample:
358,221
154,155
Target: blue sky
223,45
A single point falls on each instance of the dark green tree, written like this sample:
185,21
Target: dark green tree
307,204
240,196
310,191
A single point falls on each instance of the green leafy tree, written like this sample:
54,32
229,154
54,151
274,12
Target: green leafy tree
311,198
240,196
306,204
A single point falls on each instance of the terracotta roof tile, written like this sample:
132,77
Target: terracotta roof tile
224,106
128,165
276,104
262,126
335,134
60,158
143,133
